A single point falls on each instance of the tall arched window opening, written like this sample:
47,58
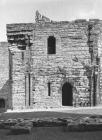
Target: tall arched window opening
51,45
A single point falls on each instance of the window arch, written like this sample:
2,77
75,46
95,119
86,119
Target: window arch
51,45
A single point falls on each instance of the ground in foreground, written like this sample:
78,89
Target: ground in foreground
51,133
48,133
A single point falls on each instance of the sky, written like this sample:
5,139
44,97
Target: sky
23,11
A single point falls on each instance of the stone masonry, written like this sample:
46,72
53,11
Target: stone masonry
37,78
4,75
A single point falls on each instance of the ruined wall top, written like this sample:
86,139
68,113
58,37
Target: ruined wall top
16,32
41,18
17,27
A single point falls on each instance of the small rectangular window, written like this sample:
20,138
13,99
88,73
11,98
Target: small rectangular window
49,88
28,90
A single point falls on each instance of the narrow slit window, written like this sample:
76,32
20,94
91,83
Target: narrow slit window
51,45
25,90
22,55
29,88
49,88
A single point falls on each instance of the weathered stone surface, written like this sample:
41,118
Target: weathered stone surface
84,124
66,120
7,124
47,122
4,76
18,130
22,127
83,127
92,123
76,62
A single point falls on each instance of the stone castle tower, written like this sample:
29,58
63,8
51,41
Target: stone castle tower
55,64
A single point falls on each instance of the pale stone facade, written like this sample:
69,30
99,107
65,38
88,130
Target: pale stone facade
70,75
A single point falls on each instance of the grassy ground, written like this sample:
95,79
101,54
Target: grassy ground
51,133
43,114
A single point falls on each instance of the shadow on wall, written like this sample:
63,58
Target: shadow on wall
4,95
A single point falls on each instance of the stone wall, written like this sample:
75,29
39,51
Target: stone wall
75,62
4,72
3,63
98,36
17,34
72,53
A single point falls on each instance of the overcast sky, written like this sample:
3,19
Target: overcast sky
23,11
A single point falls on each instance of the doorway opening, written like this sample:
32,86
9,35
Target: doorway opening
67,95
2,103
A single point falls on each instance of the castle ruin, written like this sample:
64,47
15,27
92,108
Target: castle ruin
55,64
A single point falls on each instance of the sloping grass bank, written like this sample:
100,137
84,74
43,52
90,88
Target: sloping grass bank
42,114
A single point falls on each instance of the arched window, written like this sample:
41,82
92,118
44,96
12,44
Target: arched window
51,45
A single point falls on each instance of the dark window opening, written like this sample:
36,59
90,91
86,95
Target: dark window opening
21,44
97,60
22,47
2,103
28,90
10,65
22,55
29,87
25,91
49,88
51,45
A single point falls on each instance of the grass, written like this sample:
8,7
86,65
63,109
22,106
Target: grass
42,114
47,133
51,133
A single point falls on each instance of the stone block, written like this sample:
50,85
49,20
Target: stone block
18,130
